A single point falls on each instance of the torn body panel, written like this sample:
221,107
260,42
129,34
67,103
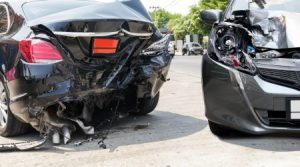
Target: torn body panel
38,87
255,34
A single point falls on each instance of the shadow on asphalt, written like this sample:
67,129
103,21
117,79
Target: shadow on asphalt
274,142
159,126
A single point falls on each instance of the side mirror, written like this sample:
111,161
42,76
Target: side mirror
4,19
211,16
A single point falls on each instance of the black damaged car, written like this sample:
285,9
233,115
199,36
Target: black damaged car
62,61
251,74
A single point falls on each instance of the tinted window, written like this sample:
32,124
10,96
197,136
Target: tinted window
4,22
34,10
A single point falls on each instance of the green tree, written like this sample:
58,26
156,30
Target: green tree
177,26
161,17
213,4
196,25
190,24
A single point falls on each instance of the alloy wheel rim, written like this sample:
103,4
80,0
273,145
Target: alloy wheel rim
3,107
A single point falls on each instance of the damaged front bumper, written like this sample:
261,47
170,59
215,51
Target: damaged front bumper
247,102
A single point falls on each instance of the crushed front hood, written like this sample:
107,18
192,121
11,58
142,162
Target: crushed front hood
277,29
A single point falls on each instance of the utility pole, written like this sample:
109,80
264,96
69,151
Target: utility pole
155,8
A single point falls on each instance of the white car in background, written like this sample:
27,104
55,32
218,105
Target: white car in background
171,49
192,48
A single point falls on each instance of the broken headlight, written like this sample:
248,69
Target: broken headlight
233,47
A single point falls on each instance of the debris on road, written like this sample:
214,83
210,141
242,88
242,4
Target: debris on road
23,146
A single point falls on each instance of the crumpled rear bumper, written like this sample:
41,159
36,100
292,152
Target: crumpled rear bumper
34,87
244,102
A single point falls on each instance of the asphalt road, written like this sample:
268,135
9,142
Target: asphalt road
176,134
187,65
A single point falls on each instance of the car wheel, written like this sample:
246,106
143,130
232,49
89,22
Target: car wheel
9,125
147,106
183,52
219,130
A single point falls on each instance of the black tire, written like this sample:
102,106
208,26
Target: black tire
9,125
147,106
183,52
219,130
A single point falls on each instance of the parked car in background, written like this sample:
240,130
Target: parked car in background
192,48
251,72
172,49
61,60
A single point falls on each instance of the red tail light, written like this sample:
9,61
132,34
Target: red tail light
39,51
105,46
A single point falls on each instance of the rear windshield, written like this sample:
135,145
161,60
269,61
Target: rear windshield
37,9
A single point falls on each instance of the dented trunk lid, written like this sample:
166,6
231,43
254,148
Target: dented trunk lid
124,21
